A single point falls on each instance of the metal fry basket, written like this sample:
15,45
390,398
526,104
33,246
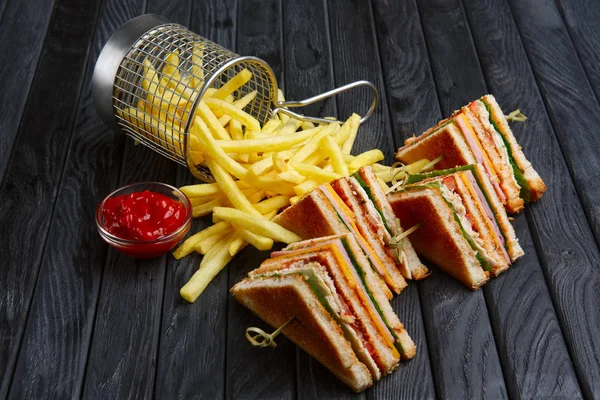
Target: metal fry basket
151,75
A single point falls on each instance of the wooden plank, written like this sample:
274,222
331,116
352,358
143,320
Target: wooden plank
307,55
403,54
518,351
355,57
73,262
23,26
463,349
563,240
192,353
29,192
581,19
307,72
509,77
568,96
251,372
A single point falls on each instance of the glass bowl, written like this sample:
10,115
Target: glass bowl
146,248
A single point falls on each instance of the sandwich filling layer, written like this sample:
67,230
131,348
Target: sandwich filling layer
344,214
323,287
502,143
475,187
356,276
458,209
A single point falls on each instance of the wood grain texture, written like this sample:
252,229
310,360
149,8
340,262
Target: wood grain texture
307,54
406,71
458,327
518,351
532,349
462,348
581,19
75,255
356,57
28,196
256,373
409,83
566,248
23,26
510,78
192,352
567,94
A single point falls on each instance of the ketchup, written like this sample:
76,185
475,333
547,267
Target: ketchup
143,216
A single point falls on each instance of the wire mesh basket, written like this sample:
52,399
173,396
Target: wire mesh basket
151,75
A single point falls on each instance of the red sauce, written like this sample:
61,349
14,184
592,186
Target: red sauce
143,216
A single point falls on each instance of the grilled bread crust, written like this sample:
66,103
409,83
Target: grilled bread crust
439,238
276,300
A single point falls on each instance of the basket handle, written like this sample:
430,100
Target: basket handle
282,106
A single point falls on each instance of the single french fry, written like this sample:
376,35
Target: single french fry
206,208
281,97
228,186
260,226
305,187
364,159
240,103
347,146
209,189
233,84
212,263
267,144
187,247
150,82
335,155
292,177
256,197
290,127
272,204
258,241
237,244
380,168
196,201
200,129
222,107
341,135
417,166
316,173
211,121
204,245
235,128
307,125
271,126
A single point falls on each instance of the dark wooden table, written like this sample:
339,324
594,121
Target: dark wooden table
78,319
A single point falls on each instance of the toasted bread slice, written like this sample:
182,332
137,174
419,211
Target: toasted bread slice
447,140
277,299
439,238
359,262
314,216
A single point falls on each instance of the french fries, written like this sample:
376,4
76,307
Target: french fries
260,167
